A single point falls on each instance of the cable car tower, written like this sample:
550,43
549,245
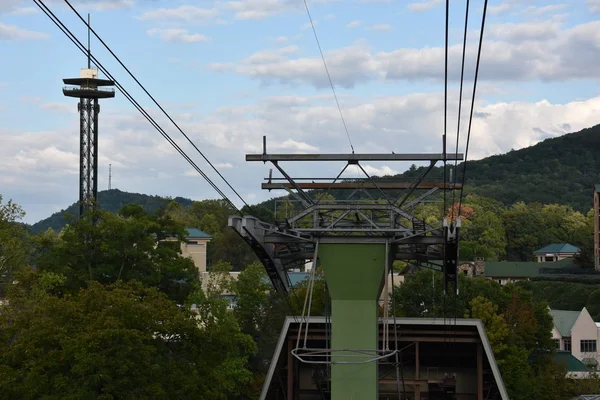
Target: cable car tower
355,243
88,89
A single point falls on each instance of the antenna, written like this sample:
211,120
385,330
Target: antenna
109,175
89,41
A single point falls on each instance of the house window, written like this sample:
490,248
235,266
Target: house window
192,242
557,343
587,346
567,344
548,259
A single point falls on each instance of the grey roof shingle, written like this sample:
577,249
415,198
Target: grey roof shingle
195,233
558,248
564,320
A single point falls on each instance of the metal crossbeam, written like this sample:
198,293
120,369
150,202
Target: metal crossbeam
360,185
354,157
281,246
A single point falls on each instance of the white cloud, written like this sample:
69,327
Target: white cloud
381,27
500,9
174,35
25,11
594,6
353,24
261,9
537,10
185,13
379,171
424,6
62,108
102,5
10,6
41,167
223,165
11,32
523,31
539,51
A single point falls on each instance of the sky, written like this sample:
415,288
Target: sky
231,72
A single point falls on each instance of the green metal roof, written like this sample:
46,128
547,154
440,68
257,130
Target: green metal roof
572,363
597,187
497,269
558,248
564,320
194,233
522,269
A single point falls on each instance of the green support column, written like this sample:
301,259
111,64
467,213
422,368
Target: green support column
354,274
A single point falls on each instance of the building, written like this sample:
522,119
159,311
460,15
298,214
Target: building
194,247
577,333
438,361
556,252
575,368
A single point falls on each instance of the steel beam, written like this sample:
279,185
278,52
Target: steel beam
354,157
359,185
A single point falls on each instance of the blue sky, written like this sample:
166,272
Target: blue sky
232,71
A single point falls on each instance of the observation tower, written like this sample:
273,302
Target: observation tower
88,89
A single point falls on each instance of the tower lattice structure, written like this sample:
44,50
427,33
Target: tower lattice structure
88,89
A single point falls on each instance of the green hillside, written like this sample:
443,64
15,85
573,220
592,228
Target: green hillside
560,170
109,200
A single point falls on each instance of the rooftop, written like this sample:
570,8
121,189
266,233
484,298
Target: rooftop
564,320
522,269
194,233
572,363
558,248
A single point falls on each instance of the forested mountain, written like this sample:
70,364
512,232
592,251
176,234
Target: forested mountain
110,200
560,170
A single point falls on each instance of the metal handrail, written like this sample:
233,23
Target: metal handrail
319,352
74,88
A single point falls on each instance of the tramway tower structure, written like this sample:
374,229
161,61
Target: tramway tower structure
88,89
355,242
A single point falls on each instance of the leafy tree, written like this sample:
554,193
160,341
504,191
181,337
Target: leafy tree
13,252
319,296
495,325
118,341
129,246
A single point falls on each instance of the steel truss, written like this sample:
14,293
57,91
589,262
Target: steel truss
388,220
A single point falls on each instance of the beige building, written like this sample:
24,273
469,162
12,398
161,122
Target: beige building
556,252
577,333
194,247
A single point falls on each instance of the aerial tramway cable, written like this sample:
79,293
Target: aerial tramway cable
328,74
462,75
472,104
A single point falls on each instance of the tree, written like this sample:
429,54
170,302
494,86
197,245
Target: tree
495,326
119,341
13,253
129,246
